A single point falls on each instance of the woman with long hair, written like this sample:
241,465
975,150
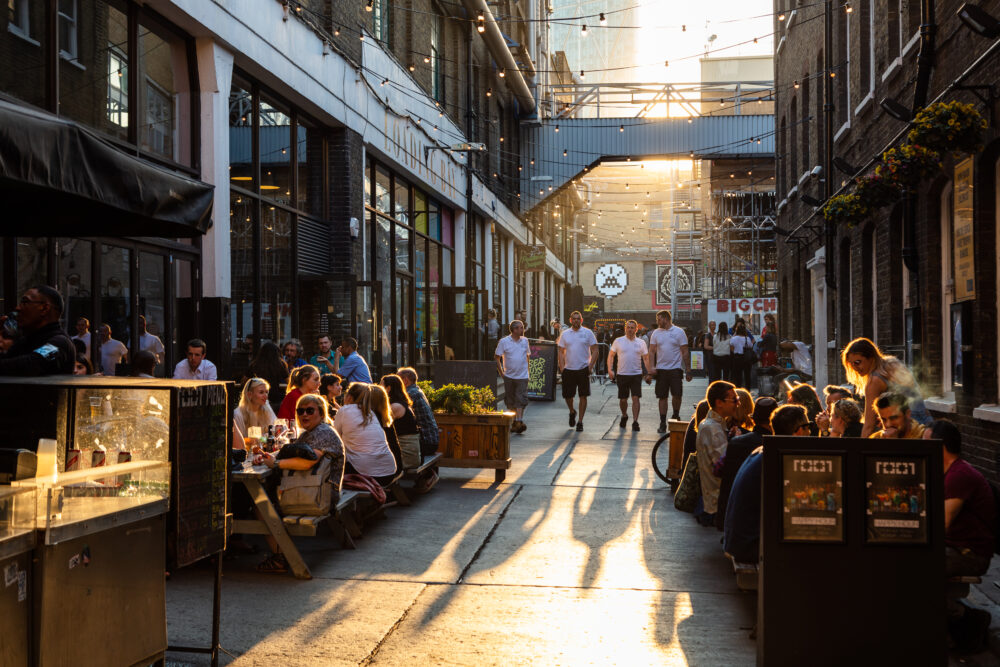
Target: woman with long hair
404,421
303,380
722,353
361,429
742,421
873,373
739,342
253,410
806,396
331,387
268,365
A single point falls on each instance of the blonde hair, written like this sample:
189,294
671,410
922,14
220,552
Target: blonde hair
262,417
380,405
744,411
299,376
319,402
360,394
891,369
847,409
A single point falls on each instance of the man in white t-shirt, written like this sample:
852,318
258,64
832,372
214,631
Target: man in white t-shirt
83,334
670,360
512,362
149,342
801,358
631,353
577,356
113,352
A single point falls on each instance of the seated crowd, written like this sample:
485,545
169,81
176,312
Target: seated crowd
373,430
727,434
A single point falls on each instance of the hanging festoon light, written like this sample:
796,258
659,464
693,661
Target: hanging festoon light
557,127
666,63
502,73
564,153
370,5
582,74
626,186
481,23
795,84
781,16
489,92
583,31
336,31
847,8
603,20
621,128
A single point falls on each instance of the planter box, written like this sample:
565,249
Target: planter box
476,441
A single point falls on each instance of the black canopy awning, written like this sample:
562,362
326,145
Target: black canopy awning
58,178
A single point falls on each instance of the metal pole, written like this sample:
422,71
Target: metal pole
831,283
673,268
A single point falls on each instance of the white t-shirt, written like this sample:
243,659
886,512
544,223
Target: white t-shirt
364,444
240,423
801,358
515,357
85,339
205,371
577,345
668,344
111,354
739,344
629,354
148,341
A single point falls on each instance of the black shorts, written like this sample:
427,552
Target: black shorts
669,382
629,385
576,380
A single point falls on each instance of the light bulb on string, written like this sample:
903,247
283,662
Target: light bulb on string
781,16
582,74
370,5
481,25
502,73
621,128
336,31
584,30
603,20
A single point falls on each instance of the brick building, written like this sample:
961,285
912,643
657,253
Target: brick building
327,129
892,277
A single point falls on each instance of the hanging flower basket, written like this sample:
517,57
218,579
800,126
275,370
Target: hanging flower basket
846,209
876,190
949,127
908,165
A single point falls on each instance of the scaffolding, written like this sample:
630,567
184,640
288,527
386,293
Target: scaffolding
739,245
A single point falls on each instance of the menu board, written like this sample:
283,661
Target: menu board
200,459
812,498
896,500
542,371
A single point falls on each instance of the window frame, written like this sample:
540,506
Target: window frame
74,31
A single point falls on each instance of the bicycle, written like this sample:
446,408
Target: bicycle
661,462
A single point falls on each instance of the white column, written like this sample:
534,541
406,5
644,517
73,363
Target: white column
489,228
817,267
508,306
461,218
215,76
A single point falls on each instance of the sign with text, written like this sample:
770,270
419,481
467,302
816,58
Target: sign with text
542,371
533,258
813,486
896,494
962,233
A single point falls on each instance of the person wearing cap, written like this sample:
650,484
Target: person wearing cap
42,347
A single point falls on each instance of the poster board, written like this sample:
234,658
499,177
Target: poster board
963,232
813,497
896,495
202,427
542,366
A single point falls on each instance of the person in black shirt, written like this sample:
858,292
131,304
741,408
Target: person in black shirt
42,347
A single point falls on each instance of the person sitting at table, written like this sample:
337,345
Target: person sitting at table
269,365
805,395
331,387
403,420
253,410
313,419
845,419
897,419
381,408
303,380
365,441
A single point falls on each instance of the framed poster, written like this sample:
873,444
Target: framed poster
896,500
812,497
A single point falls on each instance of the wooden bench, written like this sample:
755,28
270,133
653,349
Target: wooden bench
959,586
747,575
412,474
341,519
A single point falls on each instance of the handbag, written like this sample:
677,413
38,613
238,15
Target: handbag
307,492
689,490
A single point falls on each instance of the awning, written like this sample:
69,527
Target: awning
58,178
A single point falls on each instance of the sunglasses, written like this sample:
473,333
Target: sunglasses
305,411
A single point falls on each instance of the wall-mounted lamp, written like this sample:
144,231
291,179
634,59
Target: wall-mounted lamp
896,110
979,20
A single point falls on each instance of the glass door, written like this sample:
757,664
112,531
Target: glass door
403,322
464,331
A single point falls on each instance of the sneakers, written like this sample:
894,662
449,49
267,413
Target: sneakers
579,427
518,427
572,418
623,422
635,426
426,483
662,428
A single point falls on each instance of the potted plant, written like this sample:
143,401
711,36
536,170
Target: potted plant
949,127
908,164
473,433
876,191
846,209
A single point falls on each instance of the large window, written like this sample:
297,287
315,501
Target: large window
381,28
437,61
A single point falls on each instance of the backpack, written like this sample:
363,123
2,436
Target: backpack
307,492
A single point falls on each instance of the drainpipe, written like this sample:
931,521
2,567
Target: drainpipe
831,233
497,46
925,63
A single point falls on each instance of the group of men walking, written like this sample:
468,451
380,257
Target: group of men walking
666,359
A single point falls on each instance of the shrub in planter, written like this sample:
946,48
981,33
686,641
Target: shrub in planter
846,209
459,399
949,127
908,164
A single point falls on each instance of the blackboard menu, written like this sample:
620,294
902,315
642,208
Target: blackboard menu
200,458
896,495
813,492
542,371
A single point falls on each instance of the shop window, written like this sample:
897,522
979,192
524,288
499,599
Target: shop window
116,291
75,259
24,44
241,172
383,185
402,247
434,221
32,263
401,201
243,275
275,146
165,89
309,156
447,228
117,87
276,274
68,37
420,211
159,121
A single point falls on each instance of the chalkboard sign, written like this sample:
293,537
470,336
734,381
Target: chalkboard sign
202,421
896,492
542,371
476,373
813,493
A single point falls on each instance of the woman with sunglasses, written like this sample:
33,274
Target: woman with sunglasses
365,441
317,433
303,380
873,374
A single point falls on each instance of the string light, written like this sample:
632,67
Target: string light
666,63
502,73
370,5
582,74
489,92
481,25
557,127
795,84
603,20
427,60
564,152
847,8
621,128
584,30
336,31
412,67
781,16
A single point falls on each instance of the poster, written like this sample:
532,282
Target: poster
532,258
896,500
812,498
962,233
697,361
542,371
686,282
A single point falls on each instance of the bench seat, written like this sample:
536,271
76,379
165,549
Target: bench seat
399,493
747,574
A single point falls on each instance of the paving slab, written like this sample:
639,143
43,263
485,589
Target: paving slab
501,625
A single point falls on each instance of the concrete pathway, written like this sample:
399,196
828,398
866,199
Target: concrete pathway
579,557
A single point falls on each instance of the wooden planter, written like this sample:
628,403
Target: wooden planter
476,441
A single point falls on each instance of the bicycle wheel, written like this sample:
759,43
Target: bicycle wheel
661,458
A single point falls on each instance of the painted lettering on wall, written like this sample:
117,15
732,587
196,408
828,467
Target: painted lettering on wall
407,148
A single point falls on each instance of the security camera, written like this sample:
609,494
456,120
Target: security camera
817,171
